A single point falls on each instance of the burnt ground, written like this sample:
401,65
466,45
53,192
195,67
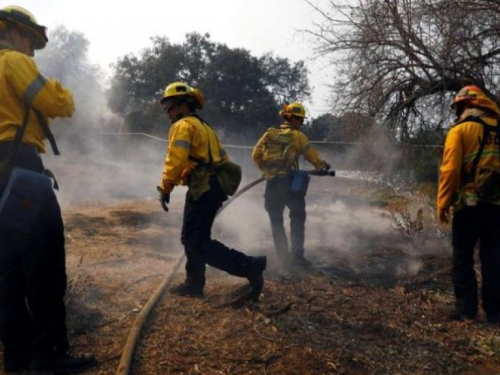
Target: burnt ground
375,302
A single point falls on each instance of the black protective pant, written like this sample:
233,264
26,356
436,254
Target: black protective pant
199,247
33,276
278,196
470,225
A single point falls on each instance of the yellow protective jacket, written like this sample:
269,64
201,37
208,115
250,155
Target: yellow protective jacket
298,145
189,139
20,83
460,149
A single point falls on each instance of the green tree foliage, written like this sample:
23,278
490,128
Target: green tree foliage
323,128
349,127
242,92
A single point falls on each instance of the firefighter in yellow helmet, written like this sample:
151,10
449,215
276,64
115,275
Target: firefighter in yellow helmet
32,254
469,184
193,158
276,154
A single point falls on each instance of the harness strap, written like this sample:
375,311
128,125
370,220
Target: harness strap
486,132
47,132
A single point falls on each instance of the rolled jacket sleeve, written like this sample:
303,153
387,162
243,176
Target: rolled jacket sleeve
450,170
46,95
177,159
310,153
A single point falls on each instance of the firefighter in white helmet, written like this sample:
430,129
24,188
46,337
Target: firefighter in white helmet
194,158
32,257
276,154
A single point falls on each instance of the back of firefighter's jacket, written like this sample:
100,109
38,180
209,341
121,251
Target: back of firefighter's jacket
191,142
278,151
20,83
456,185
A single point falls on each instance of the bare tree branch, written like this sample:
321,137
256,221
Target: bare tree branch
393,55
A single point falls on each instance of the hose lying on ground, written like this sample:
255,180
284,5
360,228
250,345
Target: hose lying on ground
135,330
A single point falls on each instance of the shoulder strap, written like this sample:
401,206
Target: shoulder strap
210,157
47,132
19,134
486,132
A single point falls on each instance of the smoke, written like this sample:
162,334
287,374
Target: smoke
341,228
347,227
94,166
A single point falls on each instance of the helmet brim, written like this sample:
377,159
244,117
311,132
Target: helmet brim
37,33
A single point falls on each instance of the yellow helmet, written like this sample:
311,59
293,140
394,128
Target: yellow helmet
181,89
293,109
22,18
475,97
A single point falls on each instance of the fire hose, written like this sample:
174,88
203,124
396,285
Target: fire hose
135,330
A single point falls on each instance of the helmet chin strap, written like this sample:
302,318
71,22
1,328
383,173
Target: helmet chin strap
459,110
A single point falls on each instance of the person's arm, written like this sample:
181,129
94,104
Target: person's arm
449,173
177,159
310,153
46,95
258,152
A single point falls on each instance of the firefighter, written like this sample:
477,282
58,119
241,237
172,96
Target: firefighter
276,154
194,153
469,188
32,266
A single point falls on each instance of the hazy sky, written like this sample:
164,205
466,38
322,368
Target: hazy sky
117,28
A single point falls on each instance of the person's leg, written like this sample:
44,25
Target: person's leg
275,197
197,240
44,264
465,233
15,321
490,260
17,328
297,206
196,228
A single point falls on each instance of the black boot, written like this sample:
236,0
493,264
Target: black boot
15,361
186,290
299,261
64,363
493,318
256,277
463,311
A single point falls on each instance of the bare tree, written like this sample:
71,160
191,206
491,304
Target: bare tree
402,60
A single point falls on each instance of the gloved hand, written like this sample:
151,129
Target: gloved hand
326,167
443,215
164,198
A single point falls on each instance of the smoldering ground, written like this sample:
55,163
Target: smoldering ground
98,167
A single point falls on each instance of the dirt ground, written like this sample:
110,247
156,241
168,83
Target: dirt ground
375,301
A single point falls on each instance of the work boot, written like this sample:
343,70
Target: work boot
15,361
256,276
64,363
186,290
463,311
493,318
299,261
460,315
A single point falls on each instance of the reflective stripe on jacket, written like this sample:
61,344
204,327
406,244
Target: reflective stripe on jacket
299,145
461,147
20,83
189,139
